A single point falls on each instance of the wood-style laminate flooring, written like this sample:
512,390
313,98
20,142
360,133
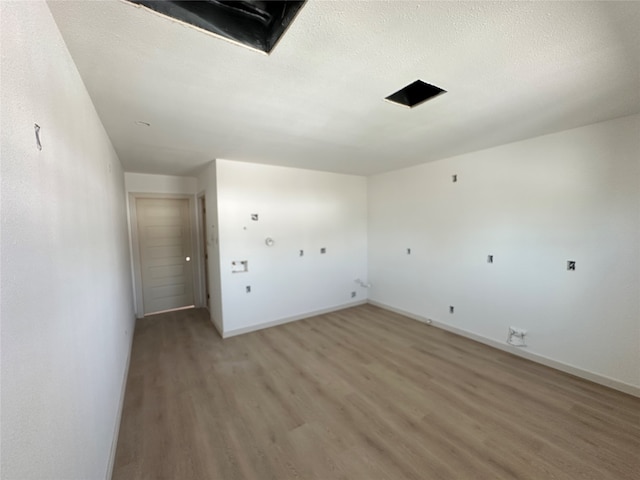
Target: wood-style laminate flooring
360,394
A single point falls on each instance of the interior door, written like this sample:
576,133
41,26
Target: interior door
164,236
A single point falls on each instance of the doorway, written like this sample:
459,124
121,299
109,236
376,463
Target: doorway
205,254
164,245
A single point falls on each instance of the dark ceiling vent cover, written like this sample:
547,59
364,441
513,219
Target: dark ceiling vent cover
255,24
415,94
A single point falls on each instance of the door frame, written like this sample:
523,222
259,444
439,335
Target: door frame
135,245
203,251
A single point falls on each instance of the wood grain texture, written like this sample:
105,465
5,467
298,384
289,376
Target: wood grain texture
363,393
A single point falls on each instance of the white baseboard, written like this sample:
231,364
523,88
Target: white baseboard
261,326
116,429
534,357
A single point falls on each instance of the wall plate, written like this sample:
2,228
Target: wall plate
239,266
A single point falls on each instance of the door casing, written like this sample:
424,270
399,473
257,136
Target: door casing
135,247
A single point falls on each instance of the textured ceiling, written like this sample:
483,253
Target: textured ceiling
513,70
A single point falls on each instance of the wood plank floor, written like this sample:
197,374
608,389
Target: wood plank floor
361,394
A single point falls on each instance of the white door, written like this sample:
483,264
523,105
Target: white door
164,235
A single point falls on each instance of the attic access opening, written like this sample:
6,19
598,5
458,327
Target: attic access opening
253,23
415,93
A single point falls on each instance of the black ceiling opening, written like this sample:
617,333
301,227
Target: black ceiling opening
415,94
253,23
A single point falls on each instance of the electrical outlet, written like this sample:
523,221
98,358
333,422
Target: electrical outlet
516,337
450,308
239,266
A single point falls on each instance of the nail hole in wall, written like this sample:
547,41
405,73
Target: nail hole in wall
454,178
489,258
323,250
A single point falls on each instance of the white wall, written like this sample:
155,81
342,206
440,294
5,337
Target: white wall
147,183
300,210
66,306
207,186
573,195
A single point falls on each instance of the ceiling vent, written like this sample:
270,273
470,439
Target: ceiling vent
415,93
252,23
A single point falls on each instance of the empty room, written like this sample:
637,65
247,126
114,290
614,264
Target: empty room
319,240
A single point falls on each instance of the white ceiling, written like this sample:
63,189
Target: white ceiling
513,70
